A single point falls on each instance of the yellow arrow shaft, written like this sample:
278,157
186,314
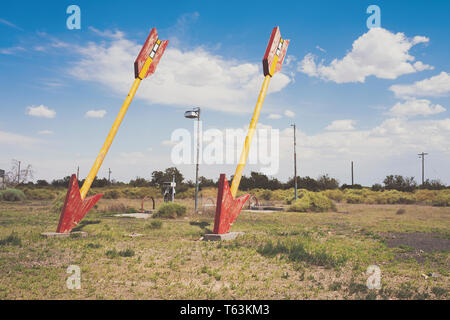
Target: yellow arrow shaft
251,130
112,133
248,139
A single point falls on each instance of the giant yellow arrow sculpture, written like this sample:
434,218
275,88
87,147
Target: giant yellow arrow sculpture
227,207
76,205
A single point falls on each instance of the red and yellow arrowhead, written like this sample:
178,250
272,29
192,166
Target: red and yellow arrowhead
227,207
74,208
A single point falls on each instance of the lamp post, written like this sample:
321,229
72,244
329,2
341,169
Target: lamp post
195,114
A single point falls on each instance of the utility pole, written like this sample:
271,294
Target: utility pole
78,172
18,174
352,173
295,164
422,155
109,175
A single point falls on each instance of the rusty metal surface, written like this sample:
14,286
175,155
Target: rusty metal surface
74,208
271,52
227,208
146,51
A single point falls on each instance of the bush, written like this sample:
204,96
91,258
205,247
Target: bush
39,194
112,194
336,195
58,203
354,198
377,187
425,196
12,195
312,201
442,199
170,210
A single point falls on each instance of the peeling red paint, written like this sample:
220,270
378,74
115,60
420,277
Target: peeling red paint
145,52
271,50
74,208
227,208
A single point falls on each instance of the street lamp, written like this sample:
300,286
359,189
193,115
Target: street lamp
195,114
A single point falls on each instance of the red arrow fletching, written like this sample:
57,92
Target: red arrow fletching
146,51
273,50
227,207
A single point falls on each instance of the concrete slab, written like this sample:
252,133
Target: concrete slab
136,215
221,237
75,234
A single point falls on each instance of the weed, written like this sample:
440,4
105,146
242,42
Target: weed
13,239
126,253
155,224
335,286
439,292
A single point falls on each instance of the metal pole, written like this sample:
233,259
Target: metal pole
422,155
109,175
352,172
18,174
198,154
173,188
295,164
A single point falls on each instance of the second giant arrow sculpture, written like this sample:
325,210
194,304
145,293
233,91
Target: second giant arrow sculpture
227,206
76,205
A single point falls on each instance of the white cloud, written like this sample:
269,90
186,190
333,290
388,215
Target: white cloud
168,143
432,87
415,107
378,53
11,50
274,116
10,24
45,132
320,49
184,77
41,112
289,113
341,125
16,139
95,114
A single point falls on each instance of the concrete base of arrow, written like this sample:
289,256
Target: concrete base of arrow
75,234
221,237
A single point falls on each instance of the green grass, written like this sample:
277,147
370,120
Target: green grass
295,255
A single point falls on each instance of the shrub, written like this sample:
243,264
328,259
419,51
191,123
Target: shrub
336,194
112,194
442,199
377,187
40,194
170,210
354,198
425,196
13,195
58,203
312,201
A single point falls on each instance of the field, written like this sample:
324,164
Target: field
282,255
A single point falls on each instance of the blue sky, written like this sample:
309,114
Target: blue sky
374,104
